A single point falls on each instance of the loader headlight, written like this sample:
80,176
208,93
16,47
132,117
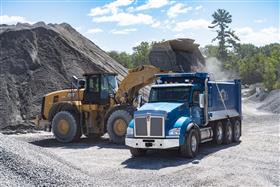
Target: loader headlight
129,131
174,132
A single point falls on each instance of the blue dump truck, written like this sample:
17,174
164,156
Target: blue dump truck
184,110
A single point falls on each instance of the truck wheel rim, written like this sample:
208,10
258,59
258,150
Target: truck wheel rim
193,143
219,133
120,127
237,130
63,127
229,133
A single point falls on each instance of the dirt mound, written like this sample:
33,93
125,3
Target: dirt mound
271,102
37,59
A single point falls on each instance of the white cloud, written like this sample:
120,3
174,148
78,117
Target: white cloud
124,31
192,24
198,7
99,11
110,7
260,37
5,19
176,9
124,19
260,20
94,30
150,4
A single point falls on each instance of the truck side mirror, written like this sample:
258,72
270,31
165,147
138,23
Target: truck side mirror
201,100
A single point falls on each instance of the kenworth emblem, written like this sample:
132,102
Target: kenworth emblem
148,118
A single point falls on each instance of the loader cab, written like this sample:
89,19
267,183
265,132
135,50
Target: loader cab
99,87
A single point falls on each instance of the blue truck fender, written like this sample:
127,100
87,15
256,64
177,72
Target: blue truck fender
185,124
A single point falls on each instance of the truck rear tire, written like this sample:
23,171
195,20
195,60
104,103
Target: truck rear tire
218,133
190,148
236,131
227,132
117,124
65,127
136,152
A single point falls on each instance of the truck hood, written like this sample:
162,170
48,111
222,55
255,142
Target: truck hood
160,108
163,106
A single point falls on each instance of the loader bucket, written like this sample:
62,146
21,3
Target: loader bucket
178,55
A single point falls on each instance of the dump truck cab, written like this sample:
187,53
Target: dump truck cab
184,110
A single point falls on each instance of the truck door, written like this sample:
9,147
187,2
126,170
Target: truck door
196,111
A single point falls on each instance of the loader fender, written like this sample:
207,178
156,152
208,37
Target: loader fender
62,106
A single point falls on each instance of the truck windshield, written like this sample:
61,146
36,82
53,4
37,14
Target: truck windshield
169,94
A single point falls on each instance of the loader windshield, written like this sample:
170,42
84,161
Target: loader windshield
169,94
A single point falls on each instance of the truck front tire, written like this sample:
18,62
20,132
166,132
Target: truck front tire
65,127
190,148
117,124
136,152
227,132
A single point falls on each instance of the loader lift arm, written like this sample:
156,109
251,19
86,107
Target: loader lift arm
136,79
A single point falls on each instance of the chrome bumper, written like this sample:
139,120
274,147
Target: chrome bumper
152,143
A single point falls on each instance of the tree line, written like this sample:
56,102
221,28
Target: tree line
251,63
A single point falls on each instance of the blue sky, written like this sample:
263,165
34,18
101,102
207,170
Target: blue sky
121,24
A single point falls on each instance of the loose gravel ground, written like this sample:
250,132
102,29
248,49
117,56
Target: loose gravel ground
37,159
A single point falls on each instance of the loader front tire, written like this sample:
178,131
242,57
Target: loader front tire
117,124
65,127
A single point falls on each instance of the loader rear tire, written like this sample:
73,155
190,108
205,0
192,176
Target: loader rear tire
117,124
65,127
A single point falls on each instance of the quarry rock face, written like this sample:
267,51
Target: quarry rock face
37,59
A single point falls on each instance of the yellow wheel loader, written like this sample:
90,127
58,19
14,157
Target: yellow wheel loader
95,105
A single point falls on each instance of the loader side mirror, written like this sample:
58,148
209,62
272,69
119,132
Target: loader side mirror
201,100
82,83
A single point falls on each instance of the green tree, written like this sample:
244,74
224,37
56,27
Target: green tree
123,58
140,54
226,37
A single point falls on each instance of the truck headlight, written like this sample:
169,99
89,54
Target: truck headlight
174,132
129,131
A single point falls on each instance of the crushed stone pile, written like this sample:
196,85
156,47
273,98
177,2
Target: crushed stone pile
24,164
40,58
271,102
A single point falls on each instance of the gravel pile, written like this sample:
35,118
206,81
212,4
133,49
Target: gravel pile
23,164
37,59
271,102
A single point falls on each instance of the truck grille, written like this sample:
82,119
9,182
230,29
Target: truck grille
149,126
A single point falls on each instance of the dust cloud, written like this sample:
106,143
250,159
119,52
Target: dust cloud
215,68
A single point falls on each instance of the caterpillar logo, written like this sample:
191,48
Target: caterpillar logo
224,95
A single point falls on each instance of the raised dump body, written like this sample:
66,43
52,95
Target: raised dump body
184,110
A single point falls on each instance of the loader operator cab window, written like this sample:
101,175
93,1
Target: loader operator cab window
93,84
92,89
99,87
